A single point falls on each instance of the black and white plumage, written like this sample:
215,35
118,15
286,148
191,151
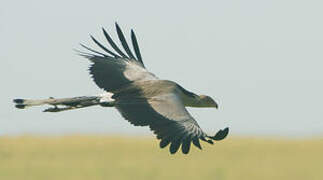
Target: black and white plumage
140,97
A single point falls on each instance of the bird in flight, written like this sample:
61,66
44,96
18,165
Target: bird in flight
141,97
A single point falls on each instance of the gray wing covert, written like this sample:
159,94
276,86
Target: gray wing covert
168,119
115,69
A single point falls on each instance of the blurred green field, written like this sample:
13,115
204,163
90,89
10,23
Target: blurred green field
104,157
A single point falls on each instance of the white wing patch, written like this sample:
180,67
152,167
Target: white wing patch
135,72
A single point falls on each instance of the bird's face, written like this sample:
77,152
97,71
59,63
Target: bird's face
207,101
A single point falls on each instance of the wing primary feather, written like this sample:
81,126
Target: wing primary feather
104,48
124,42
84,54
186,145
176,142
136,46
175,146
164,142
113,45
167,136
206,140
94,51
196,142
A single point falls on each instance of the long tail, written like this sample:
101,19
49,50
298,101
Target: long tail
64,104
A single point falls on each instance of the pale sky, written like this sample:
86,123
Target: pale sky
261,60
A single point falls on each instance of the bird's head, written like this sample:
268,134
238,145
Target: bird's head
207,101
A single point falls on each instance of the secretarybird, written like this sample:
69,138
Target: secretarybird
142,98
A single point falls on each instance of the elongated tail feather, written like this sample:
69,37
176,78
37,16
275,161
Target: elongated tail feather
63,104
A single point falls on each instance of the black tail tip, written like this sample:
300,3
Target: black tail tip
18,101
20,106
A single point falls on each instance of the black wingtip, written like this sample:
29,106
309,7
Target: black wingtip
111,42
104,48
174,146
207,140
124,42
117,25
186,146
196,142
164,142
94,51
136,47
221,134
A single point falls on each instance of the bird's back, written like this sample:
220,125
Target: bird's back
146,89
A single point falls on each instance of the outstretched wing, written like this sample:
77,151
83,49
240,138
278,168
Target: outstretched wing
115,69
168,119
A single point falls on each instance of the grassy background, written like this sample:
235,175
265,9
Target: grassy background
104,157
